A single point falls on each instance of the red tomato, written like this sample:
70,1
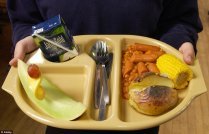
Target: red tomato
33,71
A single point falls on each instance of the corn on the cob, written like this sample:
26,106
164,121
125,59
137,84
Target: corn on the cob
175,69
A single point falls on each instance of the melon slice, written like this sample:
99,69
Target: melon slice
55,103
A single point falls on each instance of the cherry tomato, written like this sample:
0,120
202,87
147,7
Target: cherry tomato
33,71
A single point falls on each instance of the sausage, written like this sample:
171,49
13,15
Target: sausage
144,47
144,58
158,53
152,67
141,67
128,65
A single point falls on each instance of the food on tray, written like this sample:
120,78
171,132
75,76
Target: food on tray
34,80
151,79
153,100
55,30
152,68
144,47
141,68
152,94
33,71
54,103
175,69
138,59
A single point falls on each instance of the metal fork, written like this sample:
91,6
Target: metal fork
103,56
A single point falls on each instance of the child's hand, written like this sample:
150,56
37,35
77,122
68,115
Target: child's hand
23,46
188,52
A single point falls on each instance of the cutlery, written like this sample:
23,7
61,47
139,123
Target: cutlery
99,52
102,106
103,57
97,85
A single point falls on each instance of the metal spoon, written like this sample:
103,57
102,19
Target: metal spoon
97,87
100,54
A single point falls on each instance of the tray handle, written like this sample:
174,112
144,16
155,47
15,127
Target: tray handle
9,84
202,88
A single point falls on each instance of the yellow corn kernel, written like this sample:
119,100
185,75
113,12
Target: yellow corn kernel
175,69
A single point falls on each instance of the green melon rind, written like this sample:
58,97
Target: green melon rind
56,103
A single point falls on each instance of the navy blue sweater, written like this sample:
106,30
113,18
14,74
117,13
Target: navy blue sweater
171,21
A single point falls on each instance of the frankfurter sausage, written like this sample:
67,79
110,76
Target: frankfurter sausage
141,67
144,47
158,53
128,65
152,67
144,58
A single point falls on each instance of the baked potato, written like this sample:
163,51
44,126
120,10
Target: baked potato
153,100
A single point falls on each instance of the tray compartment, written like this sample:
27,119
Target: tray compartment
125,107
86,47
72,80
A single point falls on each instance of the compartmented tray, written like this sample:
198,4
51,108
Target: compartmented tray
76,78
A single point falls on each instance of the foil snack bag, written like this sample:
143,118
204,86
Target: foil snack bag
55,30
